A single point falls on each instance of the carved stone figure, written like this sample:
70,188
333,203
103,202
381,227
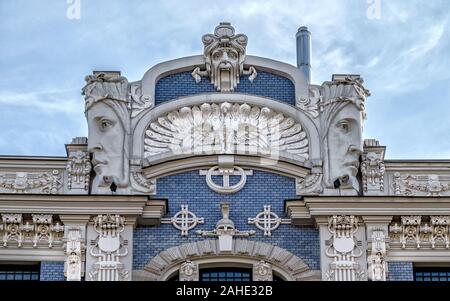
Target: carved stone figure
224,57
107,113
73,248
341,121
189,271
262,271
377,267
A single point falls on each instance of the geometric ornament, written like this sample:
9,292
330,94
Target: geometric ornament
268,221
183,220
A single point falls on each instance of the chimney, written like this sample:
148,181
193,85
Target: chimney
304,51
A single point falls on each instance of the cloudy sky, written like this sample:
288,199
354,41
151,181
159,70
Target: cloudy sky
401,50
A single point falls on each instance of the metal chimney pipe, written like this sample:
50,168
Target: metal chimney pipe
304,51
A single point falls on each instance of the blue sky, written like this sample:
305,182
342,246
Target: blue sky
404,58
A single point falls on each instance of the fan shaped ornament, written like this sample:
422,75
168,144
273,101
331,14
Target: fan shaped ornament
226,128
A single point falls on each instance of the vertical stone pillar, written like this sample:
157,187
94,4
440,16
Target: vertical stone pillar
342,248
74,245
377,232
372,168
78,167
110,248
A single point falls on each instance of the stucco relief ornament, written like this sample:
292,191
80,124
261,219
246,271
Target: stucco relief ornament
408,231
268,221
109,248
74,246
428,185
343,249
184,220
12,229
310,105
224,55
262,271
142,184
189,271
139,102
225,230
226,128
377,266
21,182
45,230
78,170
372,169
107,109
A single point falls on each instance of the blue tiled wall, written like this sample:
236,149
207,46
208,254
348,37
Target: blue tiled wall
261,189
52,271
265,84
400,271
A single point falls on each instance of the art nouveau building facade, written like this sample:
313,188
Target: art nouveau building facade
224,166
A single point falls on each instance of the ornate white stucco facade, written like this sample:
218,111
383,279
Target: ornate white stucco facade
121,205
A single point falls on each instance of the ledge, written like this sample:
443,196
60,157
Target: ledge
149,212
304,210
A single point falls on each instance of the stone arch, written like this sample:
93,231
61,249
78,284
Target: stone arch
207,254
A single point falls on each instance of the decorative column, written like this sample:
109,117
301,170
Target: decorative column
78,167
377,232
74,246
110,250
342,246
372,167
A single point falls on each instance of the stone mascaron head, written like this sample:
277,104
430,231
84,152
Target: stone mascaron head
224,55
341,121
107,112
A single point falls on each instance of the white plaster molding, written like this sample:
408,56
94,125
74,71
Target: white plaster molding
225,230
268,221
414,232
108,249
377,265
343,249
74,237
373,167
226,128
73,204
225,169
38,232
314,206
142,184
49,182
207,253
153,115
78,171
184,220
189,271
262,271
420,184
